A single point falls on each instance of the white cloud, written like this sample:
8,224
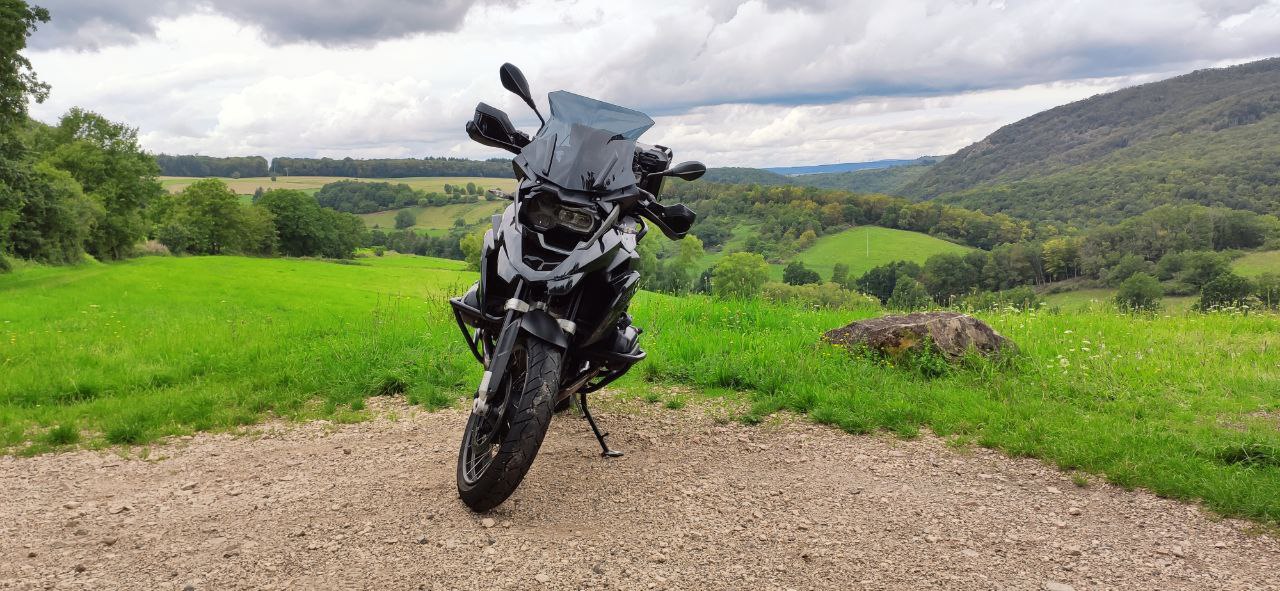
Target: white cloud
733,83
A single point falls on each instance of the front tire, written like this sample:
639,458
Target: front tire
493,459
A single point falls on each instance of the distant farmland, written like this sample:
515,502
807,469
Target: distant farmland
311,184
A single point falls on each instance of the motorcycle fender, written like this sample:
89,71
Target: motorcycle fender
540,324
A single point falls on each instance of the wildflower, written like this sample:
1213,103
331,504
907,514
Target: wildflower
1062,361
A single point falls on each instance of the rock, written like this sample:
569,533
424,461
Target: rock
1074,511
952,333
188,486
117,509
79,568
488,522
969,553
108,541
1056,586
1178,551
541,578
70,505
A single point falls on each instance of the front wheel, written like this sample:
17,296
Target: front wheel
494,457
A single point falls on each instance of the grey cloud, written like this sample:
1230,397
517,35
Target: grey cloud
807,51
94,24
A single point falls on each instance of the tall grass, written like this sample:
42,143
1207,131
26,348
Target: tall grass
1185,404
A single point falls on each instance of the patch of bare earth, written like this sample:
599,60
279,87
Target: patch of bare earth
693,505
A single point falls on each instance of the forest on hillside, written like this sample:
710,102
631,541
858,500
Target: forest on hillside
1209,137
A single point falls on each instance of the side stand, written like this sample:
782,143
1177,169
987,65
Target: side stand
604,447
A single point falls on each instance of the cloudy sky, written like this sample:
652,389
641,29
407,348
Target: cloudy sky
746,83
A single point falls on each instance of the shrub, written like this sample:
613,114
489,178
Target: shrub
1019,298
828,296
405,219
379,251
1226,290
1139,293
740,274
5,265
908,295
1128,266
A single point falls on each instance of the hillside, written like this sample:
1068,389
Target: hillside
889,181
1208,137
311,184
745,176
843,166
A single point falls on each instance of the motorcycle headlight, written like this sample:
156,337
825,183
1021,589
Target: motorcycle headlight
545,213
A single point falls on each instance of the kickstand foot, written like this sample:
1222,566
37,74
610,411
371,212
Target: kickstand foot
604,447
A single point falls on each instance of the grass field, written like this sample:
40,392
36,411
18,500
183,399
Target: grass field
1257,263
1103,298
311,184
438,218
865,247
1187,405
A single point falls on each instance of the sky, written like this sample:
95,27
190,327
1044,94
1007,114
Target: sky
729,82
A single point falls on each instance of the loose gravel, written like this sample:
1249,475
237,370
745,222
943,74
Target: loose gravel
697,503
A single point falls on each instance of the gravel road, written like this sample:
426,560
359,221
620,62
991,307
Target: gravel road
695,504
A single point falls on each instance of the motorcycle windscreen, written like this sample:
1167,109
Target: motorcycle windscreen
586,144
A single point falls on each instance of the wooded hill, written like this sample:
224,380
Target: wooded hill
1211,137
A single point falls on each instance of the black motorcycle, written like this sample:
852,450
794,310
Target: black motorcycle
548,318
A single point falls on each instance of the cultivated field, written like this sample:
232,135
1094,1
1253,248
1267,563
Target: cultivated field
311,184
1184,404
437,218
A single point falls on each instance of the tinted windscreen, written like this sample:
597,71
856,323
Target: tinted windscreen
586,144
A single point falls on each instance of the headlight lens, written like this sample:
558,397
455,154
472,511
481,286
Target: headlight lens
545,213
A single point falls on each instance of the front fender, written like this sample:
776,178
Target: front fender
540,324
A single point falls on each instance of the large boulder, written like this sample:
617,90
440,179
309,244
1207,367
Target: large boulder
953,334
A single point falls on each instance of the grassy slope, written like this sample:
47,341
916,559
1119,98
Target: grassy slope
1257,263
1182,404
885,245
311,184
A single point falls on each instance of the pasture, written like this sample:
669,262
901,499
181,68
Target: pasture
1185,404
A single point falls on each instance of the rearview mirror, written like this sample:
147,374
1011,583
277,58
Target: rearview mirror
514,81
689,171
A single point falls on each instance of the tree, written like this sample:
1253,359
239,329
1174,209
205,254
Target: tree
110,165
472,244
739,275
796,273
405,219
948,276
1226,290
208,218
18,85
1139,292
1129,265
55,217
306,229
1267,288
908,294
471,189
880,281
840,275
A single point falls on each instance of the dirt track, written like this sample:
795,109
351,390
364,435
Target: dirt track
693,505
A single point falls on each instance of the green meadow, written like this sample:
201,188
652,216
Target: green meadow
865,247
1184,404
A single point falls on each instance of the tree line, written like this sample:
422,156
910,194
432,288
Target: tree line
205,166
391,167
